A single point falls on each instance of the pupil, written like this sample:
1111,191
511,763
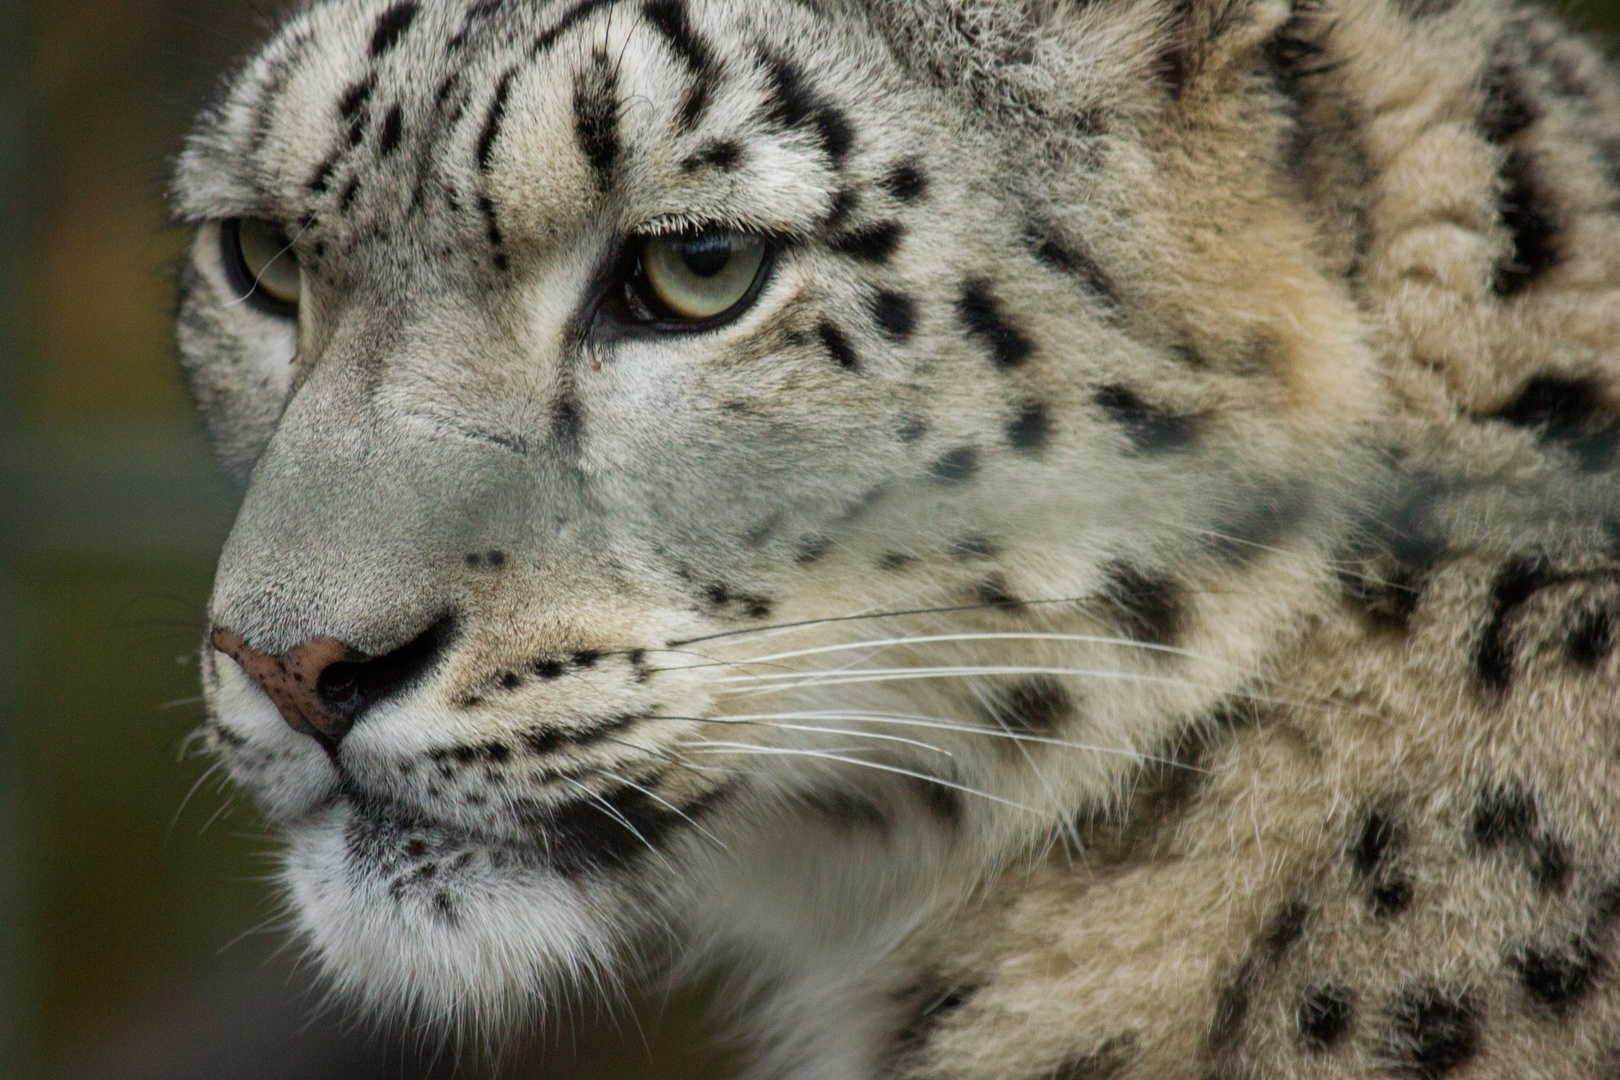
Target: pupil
707,255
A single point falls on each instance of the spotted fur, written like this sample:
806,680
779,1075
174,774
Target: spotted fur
1134,593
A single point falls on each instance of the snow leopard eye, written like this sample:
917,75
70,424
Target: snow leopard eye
262,267
698,276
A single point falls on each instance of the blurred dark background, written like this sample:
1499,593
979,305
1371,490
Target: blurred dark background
126,907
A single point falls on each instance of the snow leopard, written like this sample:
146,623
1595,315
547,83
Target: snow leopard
1060,539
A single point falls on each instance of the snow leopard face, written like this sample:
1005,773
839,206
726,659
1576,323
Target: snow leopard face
680,435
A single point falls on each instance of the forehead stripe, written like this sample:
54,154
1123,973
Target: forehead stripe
596,117
492,120
668,17
391,26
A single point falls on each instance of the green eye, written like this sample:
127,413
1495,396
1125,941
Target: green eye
701,275
261,265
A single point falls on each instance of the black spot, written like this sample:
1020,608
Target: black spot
755,607
393,127
895,313
1572,413
1039,705
974,547
1591,638
1389,892
843,205
1509,108
391,26
993,592
586,658
492,120
492,227
451,81
1231,1010
511,680
791,104
1286,927
669,17
1378,836
905,181
847,810
1029,430
838,346
1550,865
495,558
1149,606
1531,219
1052,252
718,594
943,802
981,316
895,560
355,97
811,549
1324,1017
350,190
1432,1034
548,668
722,154
1258,523
912,428
639,666
1520,578
322,176
956,466
1150,428
1107,1061
872,243
596,117
1559,978
1504,814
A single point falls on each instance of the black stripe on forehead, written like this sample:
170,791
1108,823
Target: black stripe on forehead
391,26
793,104
669,18
492,120
596,116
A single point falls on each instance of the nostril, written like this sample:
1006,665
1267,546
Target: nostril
357,682
323,685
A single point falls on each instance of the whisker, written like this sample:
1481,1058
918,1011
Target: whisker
210,771
223,807
670,806
943,724
612,812
720,747
860,616
813,679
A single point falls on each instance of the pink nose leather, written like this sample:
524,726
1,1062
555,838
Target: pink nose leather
291,678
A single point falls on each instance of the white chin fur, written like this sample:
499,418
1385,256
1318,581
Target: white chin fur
467,946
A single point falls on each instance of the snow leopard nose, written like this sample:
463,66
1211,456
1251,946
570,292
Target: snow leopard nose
323,685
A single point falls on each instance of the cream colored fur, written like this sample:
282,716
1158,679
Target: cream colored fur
1134,594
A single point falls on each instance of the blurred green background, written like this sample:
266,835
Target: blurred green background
123,904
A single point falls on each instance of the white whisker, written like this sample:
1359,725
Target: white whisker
719,747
